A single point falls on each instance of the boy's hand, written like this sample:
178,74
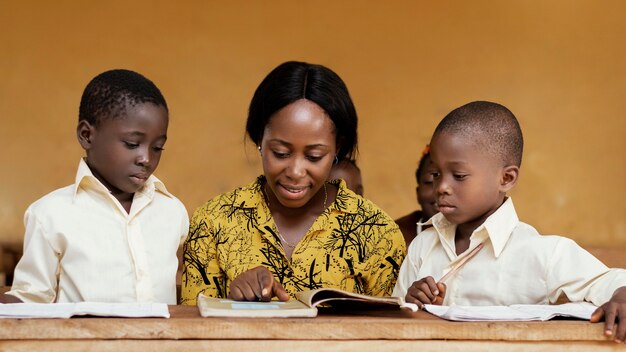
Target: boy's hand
426,291
257,284
614,313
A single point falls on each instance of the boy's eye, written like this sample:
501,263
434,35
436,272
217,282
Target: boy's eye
459,176
158,149
426,178
435,174
131,145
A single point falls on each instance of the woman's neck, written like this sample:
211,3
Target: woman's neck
293,224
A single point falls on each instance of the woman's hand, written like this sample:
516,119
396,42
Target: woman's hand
257,284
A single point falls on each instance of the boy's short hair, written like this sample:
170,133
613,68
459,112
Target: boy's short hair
491,126
110,93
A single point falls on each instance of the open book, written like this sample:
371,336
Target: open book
304,306
518,312
67,310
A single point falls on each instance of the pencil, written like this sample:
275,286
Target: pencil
461,263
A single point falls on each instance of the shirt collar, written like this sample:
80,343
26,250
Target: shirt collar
250,196
346,201
500,225
498,228
85,179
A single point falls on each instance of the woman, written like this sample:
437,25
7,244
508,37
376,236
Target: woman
292,230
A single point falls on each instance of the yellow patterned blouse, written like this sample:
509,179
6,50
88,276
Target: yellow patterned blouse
353,245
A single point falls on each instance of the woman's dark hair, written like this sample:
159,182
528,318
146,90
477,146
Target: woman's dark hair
292,81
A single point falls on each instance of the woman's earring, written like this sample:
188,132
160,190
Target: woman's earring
260,151
336,160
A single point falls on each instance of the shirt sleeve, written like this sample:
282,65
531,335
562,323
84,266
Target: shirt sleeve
384,266
201,270
35,277
409,269
184,225
580,276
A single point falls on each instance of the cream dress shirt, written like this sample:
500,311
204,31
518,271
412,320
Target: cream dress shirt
516,266
81,245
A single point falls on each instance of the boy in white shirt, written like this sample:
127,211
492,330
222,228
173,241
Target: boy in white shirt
112,236
476,152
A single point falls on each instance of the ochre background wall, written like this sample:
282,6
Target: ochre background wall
559,65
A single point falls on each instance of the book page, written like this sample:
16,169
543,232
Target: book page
124,310
520,312
67,310
219,307
349,300
579,310
36,310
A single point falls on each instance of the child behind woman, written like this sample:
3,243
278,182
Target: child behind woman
412,224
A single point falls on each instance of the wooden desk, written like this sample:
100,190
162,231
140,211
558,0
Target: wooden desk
387,331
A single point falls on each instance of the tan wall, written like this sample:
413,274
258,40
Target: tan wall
560,66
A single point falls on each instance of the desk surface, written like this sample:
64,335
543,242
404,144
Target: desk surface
393,330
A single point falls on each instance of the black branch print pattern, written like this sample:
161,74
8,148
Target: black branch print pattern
352,245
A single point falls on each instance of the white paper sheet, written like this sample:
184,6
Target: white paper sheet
519,312
67,310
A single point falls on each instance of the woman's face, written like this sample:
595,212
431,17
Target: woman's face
298,149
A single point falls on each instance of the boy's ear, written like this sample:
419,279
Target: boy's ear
509,178
85,132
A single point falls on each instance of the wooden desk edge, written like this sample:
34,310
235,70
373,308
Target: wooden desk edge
186,323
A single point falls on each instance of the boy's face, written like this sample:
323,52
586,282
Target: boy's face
426,195
470,183
122,152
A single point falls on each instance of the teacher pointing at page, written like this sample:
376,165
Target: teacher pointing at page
291,229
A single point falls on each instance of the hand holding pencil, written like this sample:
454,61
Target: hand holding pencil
427,291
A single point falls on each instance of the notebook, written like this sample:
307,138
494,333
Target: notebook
67,310
304,306
518,312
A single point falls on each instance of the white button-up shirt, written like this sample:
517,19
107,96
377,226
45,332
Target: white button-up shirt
517,265
81,245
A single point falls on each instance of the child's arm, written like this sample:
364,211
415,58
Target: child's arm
410,269
426,291
582,277
614,313
35,278
257,284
